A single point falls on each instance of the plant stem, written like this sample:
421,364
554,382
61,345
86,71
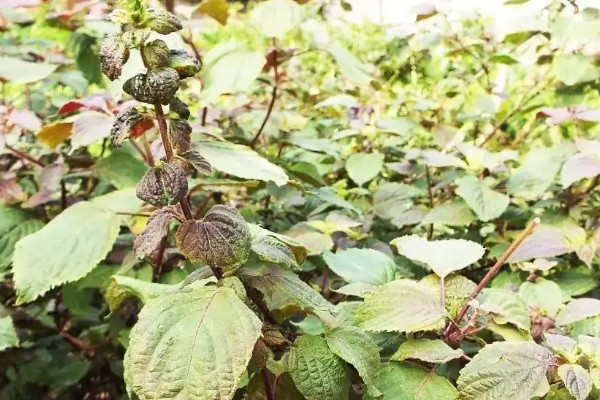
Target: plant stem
24,156
272,102
430,196
267,383
491,273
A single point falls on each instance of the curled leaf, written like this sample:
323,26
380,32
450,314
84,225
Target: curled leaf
221,239
155,230
156,53
113,54
179,107
131,122
198,161
162,21
180,133
158,86
162,185
184,63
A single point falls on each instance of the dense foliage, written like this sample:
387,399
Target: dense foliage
263,201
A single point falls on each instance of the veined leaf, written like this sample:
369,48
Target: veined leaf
576,379
271,249
193,344
563,345
428,350
317,372
155,230
300,252
578,167
506,370
442,256
362,265
505,307
400,306
457,289
10,239
122,287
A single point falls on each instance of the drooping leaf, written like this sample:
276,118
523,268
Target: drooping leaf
240,161
575,281
400,306
442,256
506,370
362,167
357,348
362,265
8,335
10,239
545,241
577,310
41,261
122,287
155,230
401,381
221,239
505,307
391,199
576,379
192,344
487,203
16,70
428,350
455,213
273,18
316,371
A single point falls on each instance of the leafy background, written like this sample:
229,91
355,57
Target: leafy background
400,164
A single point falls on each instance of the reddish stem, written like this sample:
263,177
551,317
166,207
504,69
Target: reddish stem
271,103
24,156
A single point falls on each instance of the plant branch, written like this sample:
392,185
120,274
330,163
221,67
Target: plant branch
272,102
430,196
24,156
491,273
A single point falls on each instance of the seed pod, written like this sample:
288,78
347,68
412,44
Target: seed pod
163,83
113,54
179,107
137,87
162,21
156,54
180,135
186,64
164,184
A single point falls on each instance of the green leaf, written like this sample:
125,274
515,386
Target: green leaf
576,379
10,216
8,335
578,167
361,265
442,256
122,287
432,351
484,201
16,70
458,289
240,161
574,68
505,307
410,382
590,347
400,306
273,18
271,249
221,239
575,281
9,240
121,169
506,370
455,213
577,310
357,348
193,344
316,371
392,199
300,252
563,345
543,294
362,167
42,261
350,66
229,68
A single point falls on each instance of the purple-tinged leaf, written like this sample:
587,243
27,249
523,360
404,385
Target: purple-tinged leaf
155,230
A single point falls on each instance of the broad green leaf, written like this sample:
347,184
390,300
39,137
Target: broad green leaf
10,216
221,239
392,199
505,307
229,68
359,289
42,261
361,265
350,66
300,252
543,294
484,201
575,281
16,70
437,159
576,379
273,250
240,161
563,345
588,326
399,381
357,348
400,306
578,167
122,287
193,344
121,169
10,239
316,371
8,335
573,68
412,216
316,242
455,213
506,370
273,18
362,167
577,310
458,289
428,350
442,256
